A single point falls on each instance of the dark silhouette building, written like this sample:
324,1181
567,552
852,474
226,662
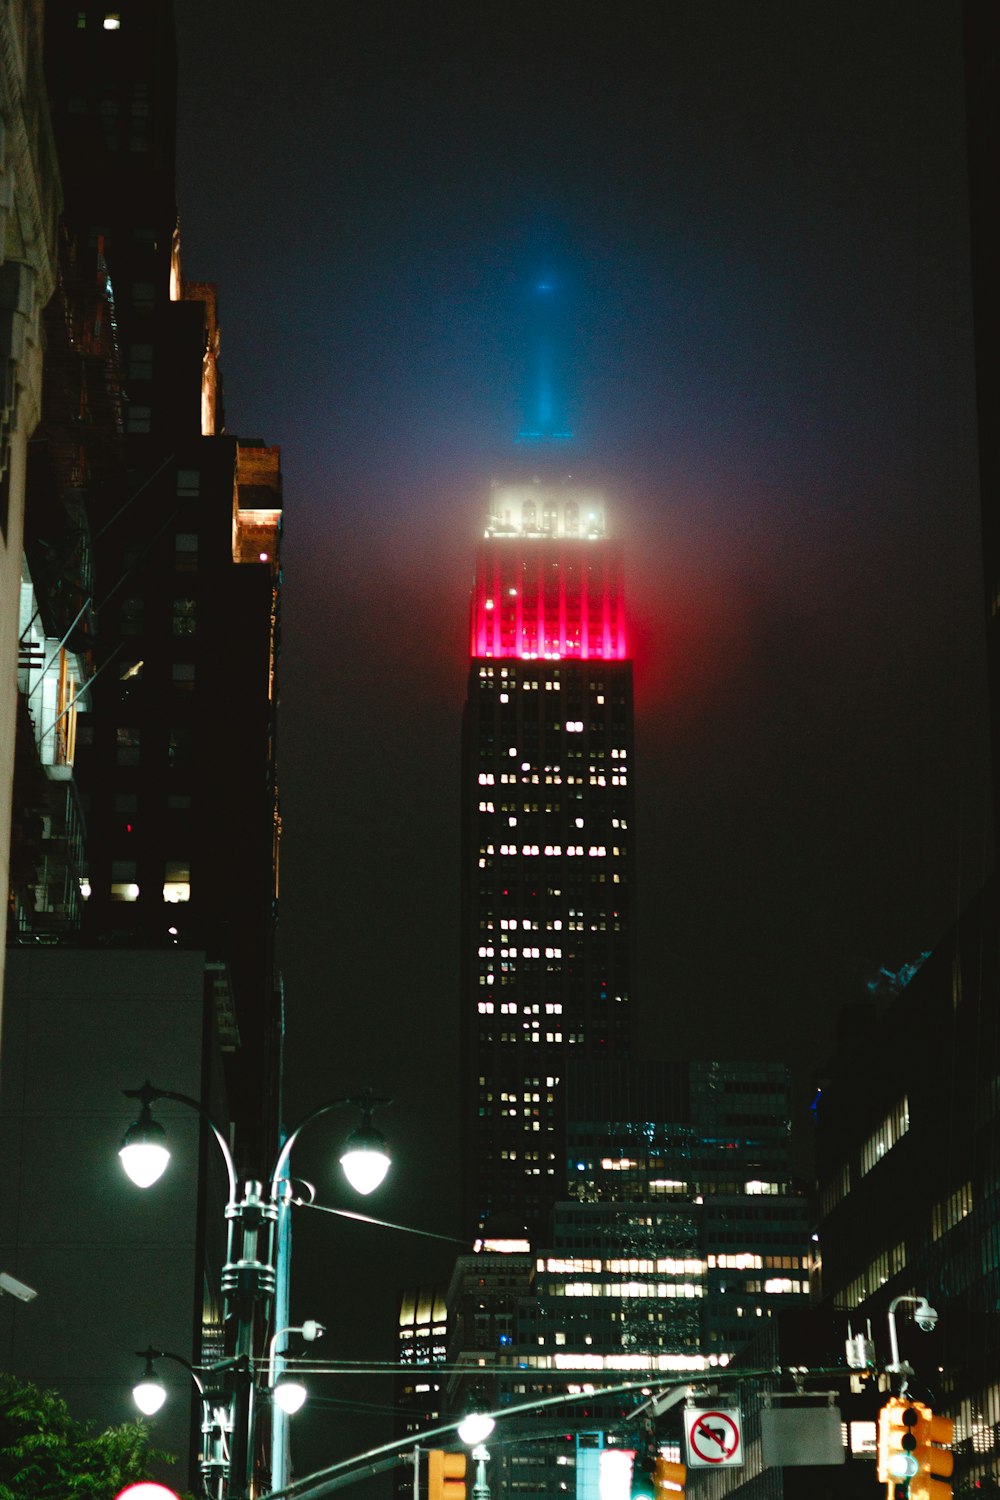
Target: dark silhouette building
176,759
146,820
908,1131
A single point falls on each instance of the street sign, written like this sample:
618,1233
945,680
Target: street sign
798,1434
714,1438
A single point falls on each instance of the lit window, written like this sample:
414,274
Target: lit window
123,886
112,21
892,1128
946,1215
177,880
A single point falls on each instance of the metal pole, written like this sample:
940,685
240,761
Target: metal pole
281,1458
480,1488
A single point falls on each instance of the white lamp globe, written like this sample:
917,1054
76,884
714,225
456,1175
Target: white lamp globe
290,1395
144,1161
144,1153
365,1160
475,1428
149,1395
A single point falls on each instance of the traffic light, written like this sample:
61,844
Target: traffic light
643,1480
914,1458
445,1475
669,1479
934,1437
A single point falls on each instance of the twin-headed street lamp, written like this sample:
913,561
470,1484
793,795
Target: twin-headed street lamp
249,1276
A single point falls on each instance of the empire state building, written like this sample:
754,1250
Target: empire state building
547,838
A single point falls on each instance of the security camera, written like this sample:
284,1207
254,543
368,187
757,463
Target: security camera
925,1316
15,1288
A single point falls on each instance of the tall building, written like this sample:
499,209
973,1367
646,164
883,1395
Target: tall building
145,892
171,567
29,205
547,855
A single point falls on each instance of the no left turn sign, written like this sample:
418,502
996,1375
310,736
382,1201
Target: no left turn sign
714,1438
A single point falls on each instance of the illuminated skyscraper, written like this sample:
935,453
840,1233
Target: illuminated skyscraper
547,837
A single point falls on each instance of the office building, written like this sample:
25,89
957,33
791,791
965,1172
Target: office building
421,1347
547,856
681,1234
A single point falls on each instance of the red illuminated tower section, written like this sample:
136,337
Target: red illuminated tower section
547,838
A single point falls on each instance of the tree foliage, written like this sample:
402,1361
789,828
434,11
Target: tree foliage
45,1454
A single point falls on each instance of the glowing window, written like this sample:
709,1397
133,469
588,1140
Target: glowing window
123,883
112,21
892,1129
177,880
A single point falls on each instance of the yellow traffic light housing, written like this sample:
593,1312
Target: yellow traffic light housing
914,1451
934,1437
669,1479
445,1475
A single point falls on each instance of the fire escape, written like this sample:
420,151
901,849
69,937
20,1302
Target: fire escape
75,469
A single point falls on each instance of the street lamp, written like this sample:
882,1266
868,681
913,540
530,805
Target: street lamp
143,1152
365,1160
149,1394
290,1394
287,1392
249,1275
475,1428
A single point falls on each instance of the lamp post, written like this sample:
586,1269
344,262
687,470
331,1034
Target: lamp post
250,1272
149,1393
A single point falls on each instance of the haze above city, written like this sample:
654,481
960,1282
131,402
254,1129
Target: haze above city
755,215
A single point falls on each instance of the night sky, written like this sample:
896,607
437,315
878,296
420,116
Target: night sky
754,214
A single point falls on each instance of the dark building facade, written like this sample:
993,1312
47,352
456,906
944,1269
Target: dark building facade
146,822
908,1147
547,855
166,587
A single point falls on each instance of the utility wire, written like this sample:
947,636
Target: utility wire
350,1213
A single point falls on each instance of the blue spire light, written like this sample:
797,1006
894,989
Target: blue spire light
545,417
